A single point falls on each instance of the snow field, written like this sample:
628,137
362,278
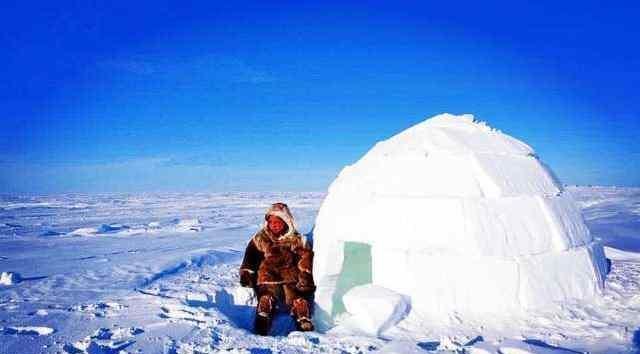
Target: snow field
177,292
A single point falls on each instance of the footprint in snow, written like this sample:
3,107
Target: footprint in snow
105,341
180,313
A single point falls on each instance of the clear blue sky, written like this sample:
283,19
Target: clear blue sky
135,96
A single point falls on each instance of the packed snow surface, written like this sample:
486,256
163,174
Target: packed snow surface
450,205
153,287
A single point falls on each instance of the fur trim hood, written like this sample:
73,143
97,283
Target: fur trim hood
281,210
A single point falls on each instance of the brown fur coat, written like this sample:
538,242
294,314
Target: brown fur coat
278,260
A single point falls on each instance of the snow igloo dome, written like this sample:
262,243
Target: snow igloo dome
459,218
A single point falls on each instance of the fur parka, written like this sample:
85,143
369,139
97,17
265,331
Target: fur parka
287,259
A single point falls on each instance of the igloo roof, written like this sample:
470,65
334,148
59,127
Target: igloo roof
452,185
449,156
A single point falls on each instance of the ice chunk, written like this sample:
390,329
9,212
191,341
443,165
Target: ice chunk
243,296
9,278
189,225
154,225
29,330
373,308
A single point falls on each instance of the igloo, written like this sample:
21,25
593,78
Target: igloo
460,218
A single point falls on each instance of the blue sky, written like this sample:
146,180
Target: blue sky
212,96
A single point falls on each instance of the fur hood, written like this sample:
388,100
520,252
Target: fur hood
281,210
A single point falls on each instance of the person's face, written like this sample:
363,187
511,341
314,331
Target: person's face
276,225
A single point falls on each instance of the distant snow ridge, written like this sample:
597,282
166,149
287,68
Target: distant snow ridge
102,229
174,225
459,217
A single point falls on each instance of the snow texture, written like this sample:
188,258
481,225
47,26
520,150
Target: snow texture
451,205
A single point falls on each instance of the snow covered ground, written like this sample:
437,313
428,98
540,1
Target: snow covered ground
158,274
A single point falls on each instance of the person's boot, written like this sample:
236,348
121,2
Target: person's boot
264,314
262,324
304,324
302,315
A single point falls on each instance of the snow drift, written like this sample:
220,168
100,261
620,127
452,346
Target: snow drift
459,217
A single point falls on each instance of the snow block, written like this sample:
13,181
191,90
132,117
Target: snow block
509,175
562,276
374,309
439,284
565,215
508,227
437,172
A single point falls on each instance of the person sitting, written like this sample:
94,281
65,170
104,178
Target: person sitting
277,265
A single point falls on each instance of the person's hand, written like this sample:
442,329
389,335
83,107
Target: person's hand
246,279
305,283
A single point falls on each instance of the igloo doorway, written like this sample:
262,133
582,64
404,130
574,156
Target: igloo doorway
356,270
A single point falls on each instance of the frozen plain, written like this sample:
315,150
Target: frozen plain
157,273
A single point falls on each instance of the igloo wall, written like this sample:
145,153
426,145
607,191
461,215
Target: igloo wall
459,217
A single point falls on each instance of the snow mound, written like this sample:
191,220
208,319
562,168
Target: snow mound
100,309
102,229
173,225
9,278
29,331
461,218
374,309
188,225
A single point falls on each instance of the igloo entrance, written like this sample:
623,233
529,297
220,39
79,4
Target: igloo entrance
356,270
